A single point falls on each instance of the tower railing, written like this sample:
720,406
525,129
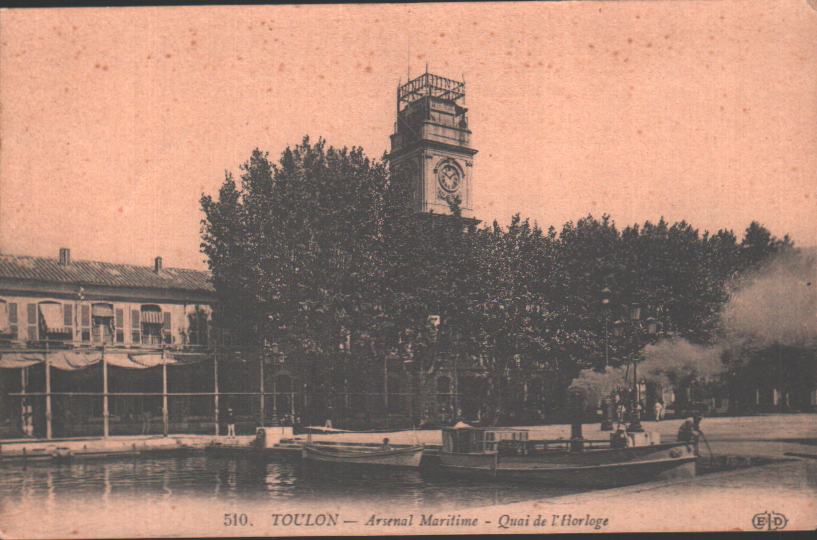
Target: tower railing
432,85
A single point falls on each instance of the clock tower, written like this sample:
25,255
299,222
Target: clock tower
431,145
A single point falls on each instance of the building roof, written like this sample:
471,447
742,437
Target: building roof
20,267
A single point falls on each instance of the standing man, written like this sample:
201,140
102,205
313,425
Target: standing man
230,423
27,418
146,421
659,410
621,410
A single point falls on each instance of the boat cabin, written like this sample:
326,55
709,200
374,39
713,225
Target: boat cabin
465,439
471,440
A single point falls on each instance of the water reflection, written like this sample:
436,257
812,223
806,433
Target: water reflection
175,479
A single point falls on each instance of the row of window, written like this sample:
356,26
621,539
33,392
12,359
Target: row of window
98,323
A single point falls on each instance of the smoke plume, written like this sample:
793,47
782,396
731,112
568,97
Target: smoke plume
677,361
594,386
777,305
774,305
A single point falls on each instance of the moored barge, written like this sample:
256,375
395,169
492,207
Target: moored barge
510,454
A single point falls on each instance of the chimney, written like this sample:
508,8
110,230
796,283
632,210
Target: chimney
65,256
157,264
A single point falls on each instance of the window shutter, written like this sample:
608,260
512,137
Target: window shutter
68,314
202,328
13,320
120,325
86,315
136,329
32,321
166,335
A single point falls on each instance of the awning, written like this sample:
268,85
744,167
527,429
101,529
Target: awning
185,359
151,360
75,360
20,360
137,361
4,318
52,315
72,360
121,361
152,317
102,310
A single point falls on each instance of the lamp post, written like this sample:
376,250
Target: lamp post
386,387
605,305
607,407
433,324
635,320
409,367
649,327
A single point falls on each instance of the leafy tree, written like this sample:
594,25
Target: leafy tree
320,254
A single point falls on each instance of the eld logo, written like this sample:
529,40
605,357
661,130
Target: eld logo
770,521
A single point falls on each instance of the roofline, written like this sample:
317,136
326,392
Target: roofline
91,291
73,260
68,289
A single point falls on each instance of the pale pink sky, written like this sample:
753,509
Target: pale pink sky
115,120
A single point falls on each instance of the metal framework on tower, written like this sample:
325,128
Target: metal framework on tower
429,85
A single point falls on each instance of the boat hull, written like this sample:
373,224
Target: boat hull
589,468
399,457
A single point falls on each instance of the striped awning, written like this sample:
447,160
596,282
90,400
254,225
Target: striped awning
102,310
52,316
152,317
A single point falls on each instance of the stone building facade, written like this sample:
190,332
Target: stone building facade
89,348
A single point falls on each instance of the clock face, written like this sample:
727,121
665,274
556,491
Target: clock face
449,177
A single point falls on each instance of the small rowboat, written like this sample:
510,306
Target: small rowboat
375,456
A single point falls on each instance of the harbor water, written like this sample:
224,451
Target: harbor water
172,480
151,495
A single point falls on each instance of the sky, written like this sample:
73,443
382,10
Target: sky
114,121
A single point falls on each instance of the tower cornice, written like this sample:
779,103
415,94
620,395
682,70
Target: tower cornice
426,143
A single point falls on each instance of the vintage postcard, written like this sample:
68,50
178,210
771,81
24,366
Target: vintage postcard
388,269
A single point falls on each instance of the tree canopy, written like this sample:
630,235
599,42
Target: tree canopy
318,254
